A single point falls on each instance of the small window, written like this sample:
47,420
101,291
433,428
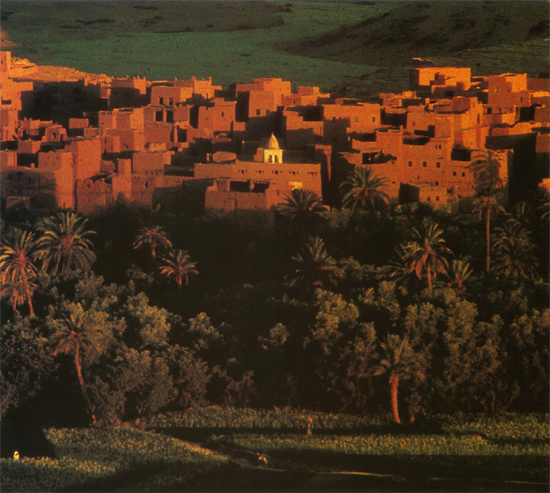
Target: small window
454,173
429,199
463,174
161,100
373,119
410,164
171,101
424,164
437,198
438,165
223,114
258,112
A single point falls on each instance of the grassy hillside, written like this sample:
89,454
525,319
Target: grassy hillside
423,29
349,48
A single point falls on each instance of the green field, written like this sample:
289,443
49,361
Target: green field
353,49
217,449
225,51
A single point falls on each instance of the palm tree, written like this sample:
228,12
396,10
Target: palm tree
153,237
177,266
17,270
304,211
75,334
15,292
363,190
486,170
397,268
457,274
487,204
427,252
64,244
522,212
514,250
400,362
315,267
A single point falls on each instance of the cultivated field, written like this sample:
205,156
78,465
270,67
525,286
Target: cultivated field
217,449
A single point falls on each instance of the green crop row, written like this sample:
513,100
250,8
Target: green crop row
86,456
386,445
285,418
131,459
502,427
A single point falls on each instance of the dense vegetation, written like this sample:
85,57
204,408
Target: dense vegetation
370,308
228,449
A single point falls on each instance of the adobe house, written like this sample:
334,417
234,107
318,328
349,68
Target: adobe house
164,95
128,92
16,97
257,183
150,163
305,96
440,81
437,197
203,89
48,185
258,103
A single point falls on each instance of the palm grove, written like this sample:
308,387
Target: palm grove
372,307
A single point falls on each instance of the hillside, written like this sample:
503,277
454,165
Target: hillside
90,19
422,29
346,48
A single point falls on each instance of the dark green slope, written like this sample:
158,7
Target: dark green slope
423,29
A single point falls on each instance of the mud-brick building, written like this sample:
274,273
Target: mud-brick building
219,116
162,95
306,96
47,183
329,124
126,92
407,160
508,91
202,89
258,182
150,163
16,97
258,104
440,82
122,130
460,118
